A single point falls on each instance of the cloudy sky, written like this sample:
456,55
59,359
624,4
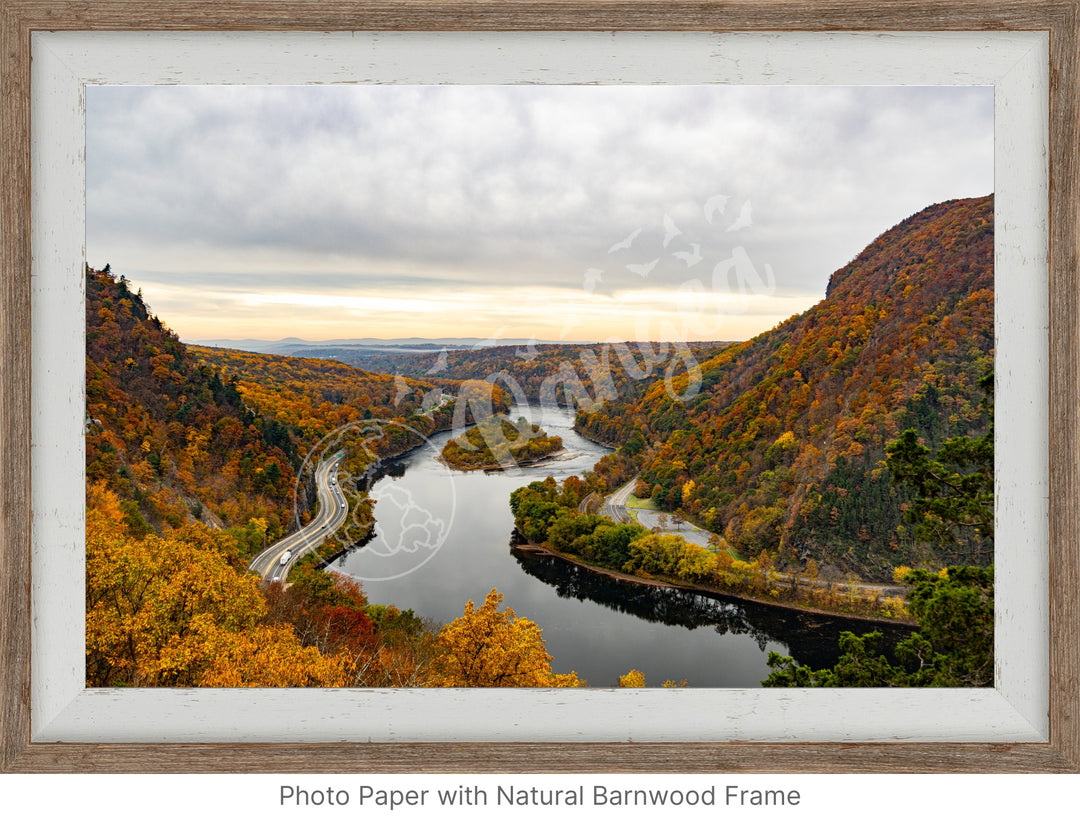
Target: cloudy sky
581,213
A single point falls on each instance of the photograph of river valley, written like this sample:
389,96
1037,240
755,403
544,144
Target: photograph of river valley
539,386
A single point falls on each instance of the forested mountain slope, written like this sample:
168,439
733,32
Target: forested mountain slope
184,433
577,374
312,396
783,449
171,437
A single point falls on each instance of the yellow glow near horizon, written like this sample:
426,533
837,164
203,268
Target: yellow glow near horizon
543,313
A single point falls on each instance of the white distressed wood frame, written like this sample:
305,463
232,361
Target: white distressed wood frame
64,710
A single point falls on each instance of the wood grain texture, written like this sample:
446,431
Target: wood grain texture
18,18
543,758
549,15
14,386
1064,387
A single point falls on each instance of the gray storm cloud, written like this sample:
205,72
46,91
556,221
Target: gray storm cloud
460,187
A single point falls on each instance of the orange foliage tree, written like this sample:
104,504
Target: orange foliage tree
489,647
170,610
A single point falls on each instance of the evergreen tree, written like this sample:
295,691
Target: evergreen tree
954,646
954,488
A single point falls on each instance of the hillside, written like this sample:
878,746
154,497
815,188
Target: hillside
171,437
782,450
578,374
191,468
313,396
183,433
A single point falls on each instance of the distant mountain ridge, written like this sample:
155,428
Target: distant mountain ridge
781,449
293,346
181,432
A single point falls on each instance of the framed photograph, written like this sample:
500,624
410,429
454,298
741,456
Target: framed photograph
978,100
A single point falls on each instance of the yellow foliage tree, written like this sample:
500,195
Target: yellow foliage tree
489,647
171,611
263,657
635,678
687,491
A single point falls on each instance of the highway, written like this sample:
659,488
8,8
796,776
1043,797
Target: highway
615,505
274,562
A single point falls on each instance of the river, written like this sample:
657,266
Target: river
443,537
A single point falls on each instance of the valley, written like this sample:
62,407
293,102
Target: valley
783,452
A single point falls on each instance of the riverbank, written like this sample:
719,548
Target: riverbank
599,442
498,467
499,443
664,633
716,592
334,547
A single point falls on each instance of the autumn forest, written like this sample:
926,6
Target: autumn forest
838,465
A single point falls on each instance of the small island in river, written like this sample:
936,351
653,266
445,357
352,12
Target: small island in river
499,443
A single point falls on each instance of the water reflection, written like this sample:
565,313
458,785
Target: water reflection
813,639
591,624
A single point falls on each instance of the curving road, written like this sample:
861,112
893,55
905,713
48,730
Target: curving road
615,504
615,508
274,562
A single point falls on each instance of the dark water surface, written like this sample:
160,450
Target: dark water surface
443,537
